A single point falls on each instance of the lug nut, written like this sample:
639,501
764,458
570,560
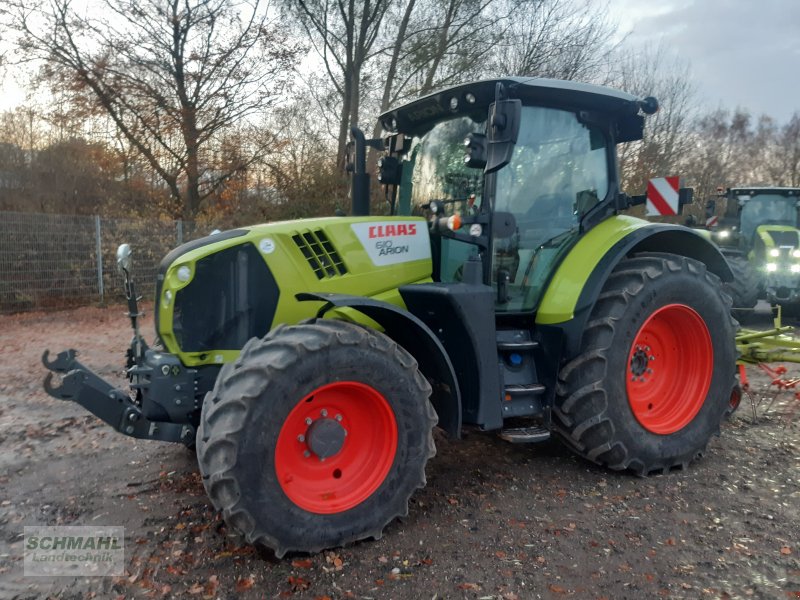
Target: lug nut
324,412
307,454
301,438
338,417
652,358
308,421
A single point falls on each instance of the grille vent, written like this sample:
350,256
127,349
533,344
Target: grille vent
318,250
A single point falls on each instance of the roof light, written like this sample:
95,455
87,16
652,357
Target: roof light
454,222
772,267
774,252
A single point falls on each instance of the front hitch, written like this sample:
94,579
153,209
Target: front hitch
112,405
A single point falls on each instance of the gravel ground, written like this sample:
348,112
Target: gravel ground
495,521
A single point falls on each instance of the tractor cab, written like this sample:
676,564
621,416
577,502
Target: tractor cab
537,155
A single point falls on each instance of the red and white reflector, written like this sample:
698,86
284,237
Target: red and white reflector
712,221
662,196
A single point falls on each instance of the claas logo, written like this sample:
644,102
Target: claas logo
382,231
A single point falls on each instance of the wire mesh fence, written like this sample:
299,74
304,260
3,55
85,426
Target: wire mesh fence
56,261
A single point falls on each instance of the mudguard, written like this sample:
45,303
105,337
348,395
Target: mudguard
417,338
580,277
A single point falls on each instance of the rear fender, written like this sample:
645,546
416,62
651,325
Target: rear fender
579,299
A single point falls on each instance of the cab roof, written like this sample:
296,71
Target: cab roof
621,108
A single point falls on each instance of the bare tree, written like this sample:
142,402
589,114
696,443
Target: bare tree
343,34
562,39
655,72
170,74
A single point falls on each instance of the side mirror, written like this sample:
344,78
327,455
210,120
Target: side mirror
124,260
502,130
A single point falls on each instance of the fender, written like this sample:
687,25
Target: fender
584,271
417,338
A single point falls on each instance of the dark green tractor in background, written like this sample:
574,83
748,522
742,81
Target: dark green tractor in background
758,234
310,360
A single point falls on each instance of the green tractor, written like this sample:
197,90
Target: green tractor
309,361
759,236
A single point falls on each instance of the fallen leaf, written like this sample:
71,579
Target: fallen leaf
302,564
786,550
244,584
212,585
468,586
299,584
557,589
196,589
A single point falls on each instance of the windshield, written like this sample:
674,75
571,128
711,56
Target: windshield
766,209
434,168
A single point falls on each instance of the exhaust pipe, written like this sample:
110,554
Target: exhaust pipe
359,193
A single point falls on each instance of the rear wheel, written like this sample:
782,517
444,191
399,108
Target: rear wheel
654,376
316,436
745,287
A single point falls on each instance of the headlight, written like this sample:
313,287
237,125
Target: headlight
795,268
723,234
772,267
774,252
184,273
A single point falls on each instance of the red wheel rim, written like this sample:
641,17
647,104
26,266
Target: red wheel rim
336,447
669,369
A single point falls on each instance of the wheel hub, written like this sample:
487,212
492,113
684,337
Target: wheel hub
639,362
325,437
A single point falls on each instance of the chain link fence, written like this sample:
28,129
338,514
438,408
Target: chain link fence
57,261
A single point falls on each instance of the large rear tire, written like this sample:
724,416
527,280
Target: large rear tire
316,436
653,379
745,287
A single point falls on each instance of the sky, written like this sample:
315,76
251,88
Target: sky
742,52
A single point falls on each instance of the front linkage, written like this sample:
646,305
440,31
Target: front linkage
152,374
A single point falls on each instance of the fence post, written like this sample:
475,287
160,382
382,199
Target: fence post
180,232
99,253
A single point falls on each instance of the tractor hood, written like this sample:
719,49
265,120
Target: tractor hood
215,293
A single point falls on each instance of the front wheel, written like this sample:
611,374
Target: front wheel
653,379
316,436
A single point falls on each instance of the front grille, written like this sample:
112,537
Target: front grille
784,238
322,257
231,298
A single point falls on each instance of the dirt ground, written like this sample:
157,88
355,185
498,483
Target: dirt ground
495,521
